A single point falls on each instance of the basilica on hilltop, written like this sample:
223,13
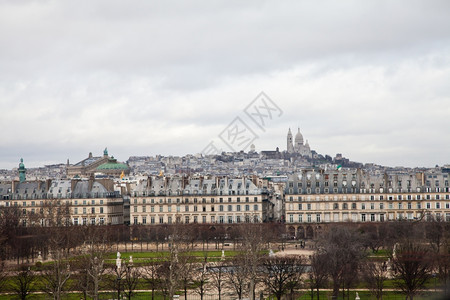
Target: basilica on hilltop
297,146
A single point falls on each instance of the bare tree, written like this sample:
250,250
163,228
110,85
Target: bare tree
115,280
237,278
90,265
217,275
318,273
401,231
375,274
89,275
55,277
3,275
371,238
443,261
81,277
131,279
23,282
350,276
10,233
282,274
150,274
187,269
412,267
171,270
123,277
252,244
201,278
96,271
168,273
96,253
343,248
434,233
9,219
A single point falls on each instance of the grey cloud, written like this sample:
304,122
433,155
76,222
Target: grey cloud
166,77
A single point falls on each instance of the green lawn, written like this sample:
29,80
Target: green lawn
305,296
380,253
144,257
78,296
160,254
366,295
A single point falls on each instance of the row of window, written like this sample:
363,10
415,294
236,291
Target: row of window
344,182
326,191
195,219
92,221
84,210
87,202
195,208
359,217
195,192
354,190
326,176
75,221
373,197
372,205
193,200
41,203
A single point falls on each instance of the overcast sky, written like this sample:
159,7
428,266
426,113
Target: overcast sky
368,79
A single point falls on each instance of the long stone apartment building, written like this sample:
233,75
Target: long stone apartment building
165,200
309,197
154,200
317,196
64,202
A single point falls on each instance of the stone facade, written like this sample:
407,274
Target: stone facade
317,196
311,196
159,200
64,202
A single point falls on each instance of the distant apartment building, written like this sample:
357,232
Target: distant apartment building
318,196
301,200
64,202
165,200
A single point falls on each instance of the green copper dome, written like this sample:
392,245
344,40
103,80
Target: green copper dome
112,164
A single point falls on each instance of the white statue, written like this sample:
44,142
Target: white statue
118,261
394,251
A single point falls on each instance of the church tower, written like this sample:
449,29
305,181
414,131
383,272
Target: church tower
290,145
